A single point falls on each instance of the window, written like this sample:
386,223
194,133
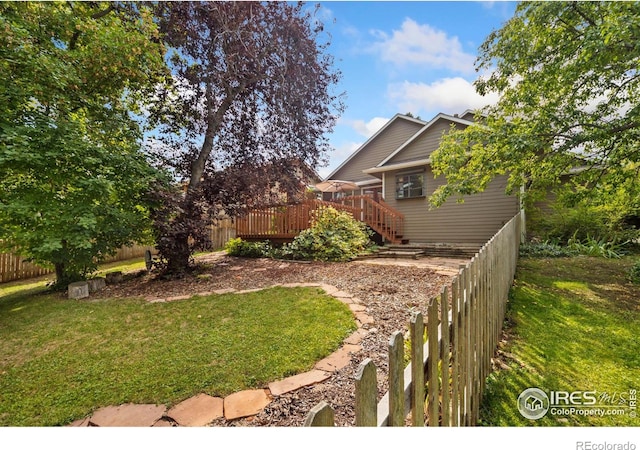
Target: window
410,185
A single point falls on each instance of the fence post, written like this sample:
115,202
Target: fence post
417,369
366,394
444,326
433,395
468,348
396,380
455,353
320,415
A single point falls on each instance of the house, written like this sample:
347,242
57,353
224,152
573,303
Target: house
395,164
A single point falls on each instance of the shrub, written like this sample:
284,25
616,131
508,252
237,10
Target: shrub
238,247
546,249
334,236
594,247
574,247
634,273
581,222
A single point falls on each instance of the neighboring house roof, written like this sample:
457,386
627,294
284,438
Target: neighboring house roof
395,118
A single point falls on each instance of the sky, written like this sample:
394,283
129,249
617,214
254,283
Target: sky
400,57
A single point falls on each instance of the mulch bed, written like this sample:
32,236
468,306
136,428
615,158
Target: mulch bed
390,293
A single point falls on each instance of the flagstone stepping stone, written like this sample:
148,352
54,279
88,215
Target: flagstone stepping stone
245,403
127,415
80,423
338,359
224,291
364,318
178,297
197,411
356,337
204,294
357,308
297,381
249,291
164,423
329,289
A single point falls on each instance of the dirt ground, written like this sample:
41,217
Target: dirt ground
391,290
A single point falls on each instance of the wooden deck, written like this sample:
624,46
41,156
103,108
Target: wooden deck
283,223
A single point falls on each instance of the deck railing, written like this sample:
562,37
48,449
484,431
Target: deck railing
388,222
287,221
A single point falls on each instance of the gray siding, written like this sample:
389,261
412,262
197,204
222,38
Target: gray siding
377,150
474,221
470,116
424,145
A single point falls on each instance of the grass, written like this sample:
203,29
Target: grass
575,326
62,359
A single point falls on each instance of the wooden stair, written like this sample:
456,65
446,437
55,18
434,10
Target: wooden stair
381,218
443,250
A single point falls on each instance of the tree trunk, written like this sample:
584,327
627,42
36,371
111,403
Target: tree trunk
179,258
60,278
214,119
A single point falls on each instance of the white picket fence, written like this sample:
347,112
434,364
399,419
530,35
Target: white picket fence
444,383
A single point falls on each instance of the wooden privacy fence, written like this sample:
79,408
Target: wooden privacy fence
221,232
444,383
14,267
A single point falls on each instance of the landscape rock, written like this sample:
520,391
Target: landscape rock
95,284
113,277
79,289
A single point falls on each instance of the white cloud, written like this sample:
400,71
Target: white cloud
367,129
424,45
448,95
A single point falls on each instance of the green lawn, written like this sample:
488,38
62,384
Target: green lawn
575,326
61,359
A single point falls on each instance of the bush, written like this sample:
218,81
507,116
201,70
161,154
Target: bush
634,273
581,222
574,247
334,236
546,249
594,247
238,247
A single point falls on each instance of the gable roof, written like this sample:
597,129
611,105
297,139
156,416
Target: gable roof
440,116
376,134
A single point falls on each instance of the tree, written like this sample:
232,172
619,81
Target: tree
73,178
569,83
252,90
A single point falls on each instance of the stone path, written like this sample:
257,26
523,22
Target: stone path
203,409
